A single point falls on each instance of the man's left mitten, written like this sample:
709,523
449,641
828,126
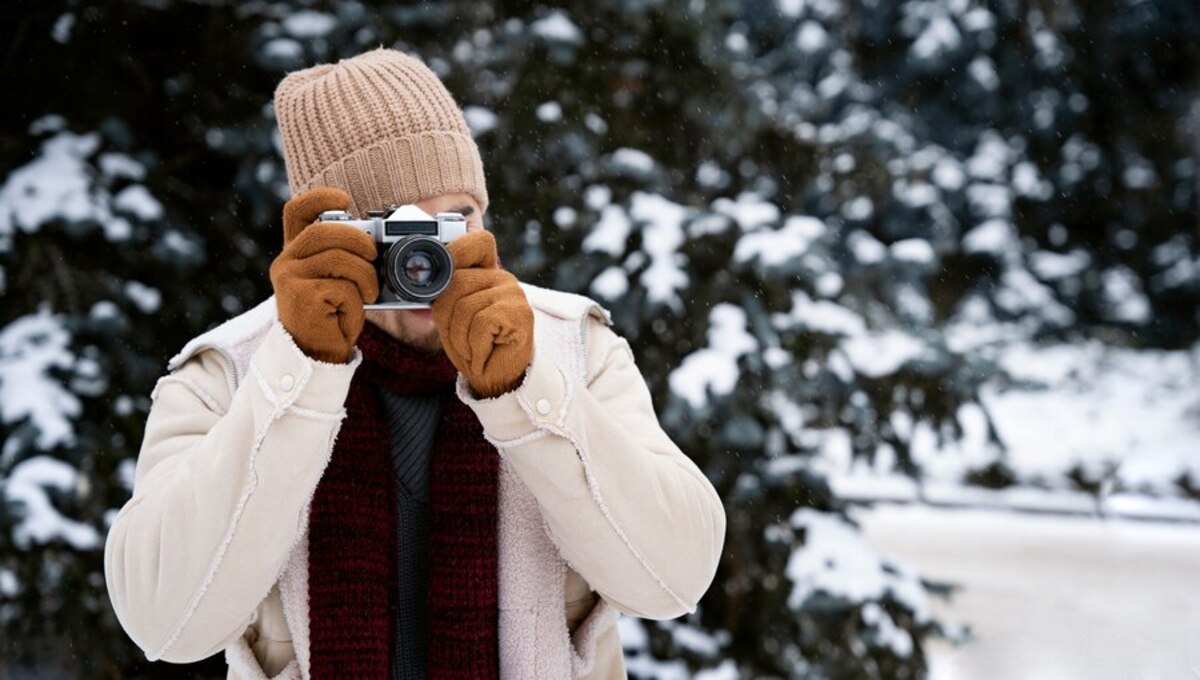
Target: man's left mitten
483,318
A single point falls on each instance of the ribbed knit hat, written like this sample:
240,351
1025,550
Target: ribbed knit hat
380,126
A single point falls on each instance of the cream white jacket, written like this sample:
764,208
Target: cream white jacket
599,511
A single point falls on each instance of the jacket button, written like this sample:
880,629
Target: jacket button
543,406
287,382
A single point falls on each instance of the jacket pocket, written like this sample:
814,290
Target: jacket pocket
601,617
270,622
578,597
578,610
251,657
265,651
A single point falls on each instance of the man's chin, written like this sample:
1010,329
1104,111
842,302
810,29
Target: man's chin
430,343
412,327
417,329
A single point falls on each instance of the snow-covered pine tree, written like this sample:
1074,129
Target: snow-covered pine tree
129,221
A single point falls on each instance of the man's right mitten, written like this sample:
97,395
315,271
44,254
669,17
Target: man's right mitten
323,277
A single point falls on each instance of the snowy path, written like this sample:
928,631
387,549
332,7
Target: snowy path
1052,596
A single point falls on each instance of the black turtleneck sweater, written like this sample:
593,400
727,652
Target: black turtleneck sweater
412,422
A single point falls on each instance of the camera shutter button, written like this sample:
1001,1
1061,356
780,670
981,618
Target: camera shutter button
287,382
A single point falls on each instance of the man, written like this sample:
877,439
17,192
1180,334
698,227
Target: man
473,491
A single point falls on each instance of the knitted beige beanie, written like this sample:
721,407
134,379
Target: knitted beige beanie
380,126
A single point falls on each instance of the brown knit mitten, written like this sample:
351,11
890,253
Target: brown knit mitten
484,321
323,276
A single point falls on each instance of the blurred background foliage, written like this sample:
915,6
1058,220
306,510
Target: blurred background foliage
795,209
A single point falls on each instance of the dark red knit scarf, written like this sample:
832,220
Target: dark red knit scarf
352,534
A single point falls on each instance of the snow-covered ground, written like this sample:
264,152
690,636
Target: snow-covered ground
1054,581
1053,596
1127,421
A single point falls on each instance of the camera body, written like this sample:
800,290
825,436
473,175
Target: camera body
412,262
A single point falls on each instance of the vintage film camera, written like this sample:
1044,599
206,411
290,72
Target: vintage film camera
413,263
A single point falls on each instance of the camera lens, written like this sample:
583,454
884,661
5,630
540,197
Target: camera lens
420,269
417,269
